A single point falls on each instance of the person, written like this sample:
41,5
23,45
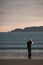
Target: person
29,43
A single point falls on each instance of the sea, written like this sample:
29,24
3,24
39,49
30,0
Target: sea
13,45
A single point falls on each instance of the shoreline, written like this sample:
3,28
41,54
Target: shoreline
20,57
20,54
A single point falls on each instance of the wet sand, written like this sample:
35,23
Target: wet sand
21,62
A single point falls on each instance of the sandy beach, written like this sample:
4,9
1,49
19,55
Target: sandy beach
21,62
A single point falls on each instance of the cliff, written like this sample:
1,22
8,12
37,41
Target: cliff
29,29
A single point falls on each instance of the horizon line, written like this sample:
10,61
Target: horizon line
21,28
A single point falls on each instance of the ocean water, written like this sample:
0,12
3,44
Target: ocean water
13,45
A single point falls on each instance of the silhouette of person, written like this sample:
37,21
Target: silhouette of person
29,43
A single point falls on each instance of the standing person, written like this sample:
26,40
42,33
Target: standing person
29,43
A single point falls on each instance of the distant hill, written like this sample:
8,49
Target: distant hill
29,29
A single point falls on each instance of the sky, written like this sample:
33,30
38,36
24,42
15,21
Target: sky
20,14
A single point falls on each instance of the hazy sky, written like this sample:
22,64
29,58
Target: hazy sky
20,14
